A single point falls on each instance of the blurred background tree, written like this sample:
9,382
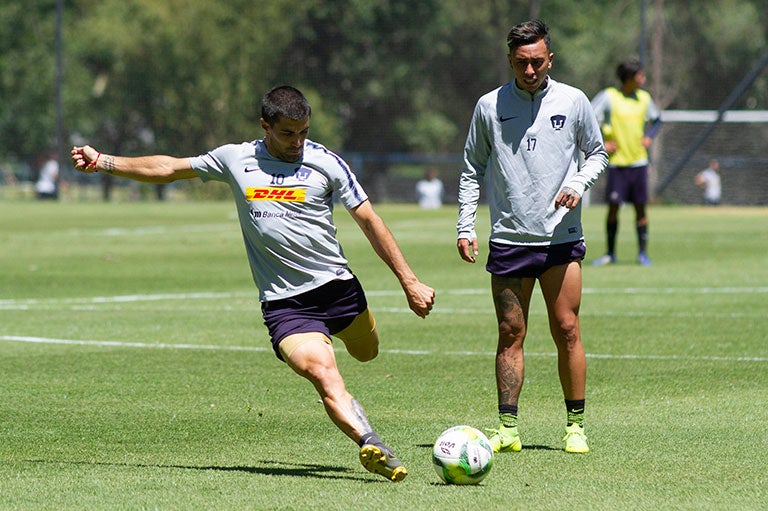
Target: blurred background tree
182,76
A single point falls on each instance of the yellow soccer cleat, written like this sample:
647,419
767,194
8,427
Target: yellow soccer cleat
379,459
505,439
575,440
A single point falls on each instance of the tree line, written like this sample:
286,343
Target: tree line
183,76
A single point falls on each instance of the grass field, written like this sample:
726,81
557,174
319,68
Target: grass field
136,372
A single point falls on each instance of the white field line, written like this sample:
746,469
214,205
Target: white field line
99,303
123,298
213,347
155,230
601,313
389,292
118,344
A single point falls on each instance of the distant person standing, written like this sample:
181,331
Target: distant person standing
629,121
709,180
429,191
47,185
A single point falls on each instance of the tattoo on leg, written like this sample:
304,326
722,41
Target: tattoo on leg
508,306
509,380
506,298
512,323
365,426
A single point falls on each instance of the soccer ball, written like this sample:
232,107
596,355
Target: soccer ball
462,455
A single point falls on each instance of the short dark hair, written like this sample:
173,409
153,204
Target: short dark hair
528,32
284,101
628,69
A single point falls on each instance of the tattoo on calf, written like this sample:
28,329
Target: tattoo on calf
365,426
509,380
512,321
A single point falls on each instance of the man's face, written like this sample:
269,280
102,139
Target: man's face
637,81
285,139
531,63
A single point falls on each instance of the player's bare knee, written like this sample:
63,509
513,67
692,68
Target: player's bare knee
511,334
567,333
322,376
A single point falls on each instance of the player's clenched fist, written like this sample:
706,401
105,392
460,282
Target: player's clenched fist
84,158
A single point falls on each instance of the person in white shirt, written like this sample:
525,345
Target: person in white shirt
283,186
525,143
429,191
709,180
47,185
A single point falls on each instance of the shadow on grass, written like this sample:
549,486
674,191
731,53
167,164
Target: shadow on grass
271,468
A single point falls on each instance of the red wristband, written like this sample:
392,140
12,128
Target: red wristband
93,163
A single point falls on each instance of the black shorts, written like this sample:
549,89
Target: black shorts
328,309
627,184
523,261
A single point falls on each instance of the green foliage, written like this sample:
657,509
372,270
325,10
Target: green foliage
183,76
429,132
579,58
27,119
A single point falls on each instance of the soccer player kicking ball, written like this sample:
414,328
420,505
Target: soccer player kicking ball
283,187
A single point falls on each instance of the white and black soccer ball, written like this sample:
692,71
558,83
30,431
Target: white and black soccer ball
462,455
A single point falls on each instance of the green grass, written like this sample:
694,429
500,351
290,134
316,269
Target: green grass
137,374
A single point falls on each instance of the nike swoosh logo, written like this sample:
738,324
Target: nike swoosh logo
251,170
505,119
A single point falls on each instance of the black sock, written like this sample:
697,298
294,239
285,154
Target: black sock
612,228
575,409
642,237
508,415
511,409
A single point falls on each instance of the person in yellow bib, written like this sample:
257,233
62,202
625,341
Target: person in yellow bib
629,120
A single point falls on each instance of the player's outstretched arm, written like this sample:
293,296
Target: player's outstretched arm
150,169
420,296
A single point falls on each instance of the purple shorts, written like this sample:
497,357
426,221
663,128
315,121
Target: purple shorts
627,184
522,261
328,309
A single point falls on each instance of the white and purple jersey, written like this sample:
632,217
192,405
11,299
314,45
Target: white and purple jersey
528,148
286,212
